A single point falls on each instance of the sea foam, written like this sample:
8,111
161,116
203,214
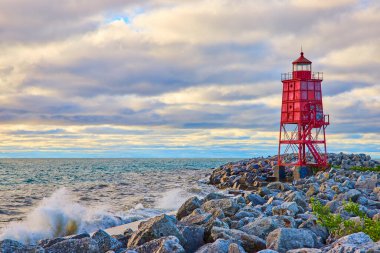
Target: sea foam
59,215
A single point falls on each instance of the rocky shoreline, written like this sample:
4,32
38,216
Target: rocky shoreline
252,214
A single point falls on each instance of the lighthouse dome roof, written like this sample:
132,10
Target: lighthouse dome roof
302,59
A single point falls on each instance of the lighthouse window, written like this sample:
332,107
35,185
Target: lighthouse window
304,95
317,95
310,86
318,86
304,85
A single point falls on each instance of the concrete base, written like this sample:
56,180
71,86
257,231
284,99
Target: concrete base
302,172
279,173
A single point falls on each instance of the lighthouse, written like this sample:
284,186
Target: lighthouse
302,142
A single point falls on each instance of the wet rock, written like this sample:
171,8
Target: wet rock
11,246
248,242
214,195
105,241
155,228
75,246
188,207
284,239
229,206
169,244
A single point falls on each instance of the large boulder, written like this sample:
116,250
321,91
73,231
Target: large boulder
169,244
250,243
320,231
87,245
366,182
284,239
155,228
228,206
188,207
193,236
11,246
261,227
105,241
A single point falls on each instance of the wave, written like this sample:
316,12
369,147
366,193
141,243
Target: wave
61,215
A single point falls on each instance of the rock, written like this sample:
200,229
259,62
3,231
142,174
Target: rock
197,217
248,242
267,251
11,246
105,241
261,227
320,231
214,195
284,239
189,206
193,236
87,245
229,206
366,183
352,194
155,228
313,190
219,246
255,199
297,197
278,186
169,244
305,250
351,243
286,208
235,248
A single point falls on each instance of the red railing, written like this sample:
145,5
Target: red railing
289,76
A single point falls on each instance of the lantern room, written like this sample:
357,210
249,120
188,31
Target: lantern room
302,68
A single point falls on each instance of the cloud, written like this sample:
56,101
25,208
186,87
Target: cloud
164,74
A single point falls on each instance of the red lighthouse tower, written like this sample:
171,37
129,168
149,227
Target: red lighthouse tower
302,128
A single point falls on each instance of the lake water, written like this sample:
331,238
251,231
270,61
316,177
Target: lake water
38,196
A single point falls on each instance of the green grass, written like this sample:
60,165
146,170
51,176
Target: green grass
359,168
338,227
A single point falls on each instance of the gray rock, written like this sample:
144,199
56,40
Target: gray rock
193,236
284,239
235,248
351,243
267,251
305,250
219,246
255,199
286,208
320,231
261,227
278,186
197,217
169,244
83,245
229,206
11,246
105,241
297,197
214,195
248,242
155,228
188,207
366,183
352,194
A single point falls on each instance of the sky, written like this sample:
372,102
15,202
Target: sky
191,78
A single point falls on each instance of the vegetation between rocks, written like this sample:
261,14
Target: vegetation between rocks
338,226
